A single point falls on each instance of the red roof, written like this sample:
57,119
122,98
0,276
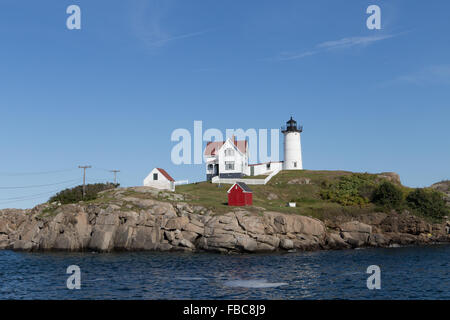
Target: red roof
165,174
213,147
243,186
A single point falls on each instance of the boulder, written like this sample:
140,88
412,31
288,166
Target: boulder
356,233
102,239
250,223
186,243
272,196
300,181
283,224
177,223
390,176
335,241
286,244
246,243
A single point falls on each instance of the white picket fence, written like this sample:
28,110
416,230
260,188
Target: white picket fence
216,179
181,182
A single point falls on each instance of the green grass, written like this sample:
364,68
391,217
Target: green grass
323,194
48,212
261,176
307,196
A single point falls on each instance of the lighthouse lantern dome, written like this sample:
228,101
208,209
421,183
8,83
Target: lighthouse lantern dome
291,126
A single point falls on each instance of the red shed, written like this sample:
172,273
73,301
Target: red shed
240,195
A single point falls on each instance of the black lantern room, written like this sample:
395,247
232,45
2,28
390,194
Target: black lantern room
291,126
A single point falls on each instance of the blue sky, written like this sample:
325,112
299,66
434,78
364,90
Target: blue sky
111,94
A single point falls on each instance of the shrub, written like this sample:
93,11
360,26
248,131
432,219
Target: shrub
428,203
388,195
350,190
74,195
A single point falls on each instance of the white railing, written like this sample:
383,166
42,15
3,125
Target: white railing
181,182
273,174
216,179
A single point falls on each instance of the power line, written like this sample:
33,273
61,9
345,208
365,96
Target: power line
41,185
34,196
31,196
101,169
11,174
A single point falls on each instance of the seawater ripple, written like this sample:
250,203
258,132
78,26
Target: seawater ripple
406,273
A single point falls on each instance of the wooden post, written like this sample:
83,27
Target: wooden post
84,178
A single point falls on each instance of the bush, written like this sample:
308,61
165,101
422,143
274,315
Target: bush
428,203
388,195
350,190
75,195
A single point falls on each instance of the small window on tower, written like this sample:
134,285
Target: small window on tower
295,164
155,176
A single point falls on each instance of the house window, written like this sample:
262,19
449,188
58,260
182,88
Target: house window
229,165
229,152
210,166
155,176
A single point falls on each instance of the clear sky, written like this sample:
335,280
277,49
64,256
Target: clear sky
110,95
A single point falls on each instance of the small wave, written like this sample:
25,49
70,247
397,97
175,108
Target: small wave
93,280
190,278
254,283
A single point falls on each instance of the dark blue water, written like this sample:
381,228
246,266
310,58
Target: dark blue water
406,273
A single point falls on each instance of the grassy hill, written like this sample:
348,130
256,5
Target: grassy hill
319,194
315,192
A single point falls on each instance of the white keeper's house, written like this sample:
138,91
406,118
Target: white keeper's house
229,159
159,178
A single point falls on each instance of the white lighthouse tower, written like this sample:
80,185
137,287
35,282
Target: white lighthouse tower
292,146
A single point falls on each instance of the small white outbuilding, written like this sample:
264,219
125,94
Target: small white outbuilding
159,178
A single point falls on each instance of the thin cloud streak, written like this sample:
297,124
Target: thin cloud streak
334,44
353,41
182,36
148,24
432,75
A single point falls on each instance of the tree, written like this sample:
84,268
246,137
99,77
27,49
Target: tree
75,195
388,195
428,202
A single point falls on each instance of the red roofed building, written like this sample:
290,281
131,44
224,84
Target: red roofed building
240,195
159,178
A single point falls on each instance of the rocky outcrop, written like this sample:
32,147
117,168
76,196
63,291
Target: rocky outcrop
444,187
136,220
356,233
390,176
300,181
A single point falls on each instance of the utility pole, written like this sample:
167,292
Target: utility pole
84,178
115,175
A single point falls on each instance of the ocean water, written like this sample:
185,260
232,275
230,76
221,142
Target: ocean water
406,273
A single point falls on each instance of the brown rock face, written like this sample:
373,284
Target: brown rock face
134,223
356,233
